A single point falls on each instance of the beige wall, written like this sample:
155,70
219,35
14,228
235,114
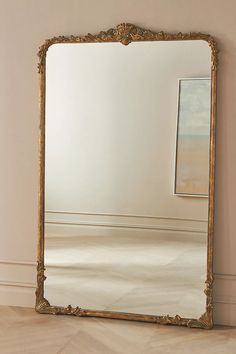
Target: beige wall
23,27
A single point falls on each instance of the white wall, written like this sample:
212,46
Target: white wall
111,114
24,25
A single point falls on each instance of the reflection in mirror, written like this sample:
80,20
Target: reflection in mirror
193,137
127,163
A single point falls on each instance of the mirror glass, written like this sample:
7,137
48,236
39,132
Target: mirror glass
126,176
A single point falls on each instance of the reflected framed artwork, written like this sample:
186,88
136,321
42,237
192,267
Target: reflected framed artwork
193,137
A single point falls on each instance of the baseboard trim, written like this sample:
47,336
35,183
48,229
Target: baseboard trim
20,263
224,314
224,276
17,296
224,299
17,284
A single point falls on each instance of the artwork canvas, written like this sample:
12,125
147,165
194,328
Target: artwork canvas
193,137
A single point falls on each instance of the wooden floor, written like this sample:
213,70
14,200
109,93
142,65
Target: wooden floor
24,331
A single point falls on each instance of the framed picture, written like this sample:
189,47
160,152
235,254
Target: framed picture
193,137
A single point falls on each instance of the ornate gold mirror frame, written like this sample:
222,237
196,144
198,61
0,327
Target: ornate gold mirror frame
125,34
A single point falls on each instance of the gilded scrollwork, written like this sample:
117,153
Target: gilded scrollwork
44,307
126,33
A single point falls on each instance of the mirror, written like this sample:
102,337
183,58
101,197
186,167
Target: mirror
127,176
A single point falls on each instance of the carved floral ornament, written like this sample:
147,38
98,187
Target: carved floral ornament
126,33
